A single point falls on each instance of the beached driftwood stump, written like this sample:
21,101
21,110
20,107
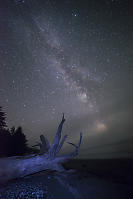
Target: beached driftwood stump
47,159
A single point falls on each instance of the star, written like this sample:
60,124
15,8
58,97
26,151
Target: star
69,57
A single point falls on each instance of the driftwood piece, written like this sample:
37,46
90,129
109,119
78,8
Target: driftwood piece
16,166
44,146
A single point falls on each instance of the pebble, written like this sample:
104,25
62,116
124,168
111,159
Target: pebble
31,188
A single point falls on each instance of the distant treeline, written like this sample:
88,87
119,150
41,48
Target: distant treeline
13,142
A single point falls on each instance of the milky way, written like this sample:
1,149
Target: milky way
69,57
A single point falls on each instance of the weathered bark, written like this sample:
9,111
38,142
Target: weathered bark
16,166
44,146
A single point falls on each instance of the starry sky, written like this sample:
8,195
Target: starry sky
73,57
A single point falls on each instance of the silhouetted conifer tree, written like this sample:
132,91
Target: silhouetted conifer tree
12,130
19,141
12,141
2,119
2,132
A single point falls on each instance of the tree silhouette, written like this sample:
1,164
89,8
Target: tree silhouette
19,142
2,119
12,130
12,141
3,133
6,142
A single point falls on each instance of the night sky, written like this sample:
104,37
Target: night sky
73,57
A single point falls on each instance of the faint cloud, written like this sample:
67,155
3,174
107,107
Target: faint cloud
99,127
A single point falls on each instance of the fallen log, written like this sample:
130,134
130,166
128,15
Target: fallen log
20,166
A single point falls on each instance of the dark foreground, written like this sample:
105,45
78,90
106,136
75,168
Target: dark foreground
92,179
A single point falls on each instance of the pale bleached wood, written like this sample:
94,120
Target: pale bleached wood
18,166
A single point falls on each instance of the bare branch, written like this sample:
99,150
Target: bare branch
73,154
55,143
72,144
61,144
38,144
45,142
